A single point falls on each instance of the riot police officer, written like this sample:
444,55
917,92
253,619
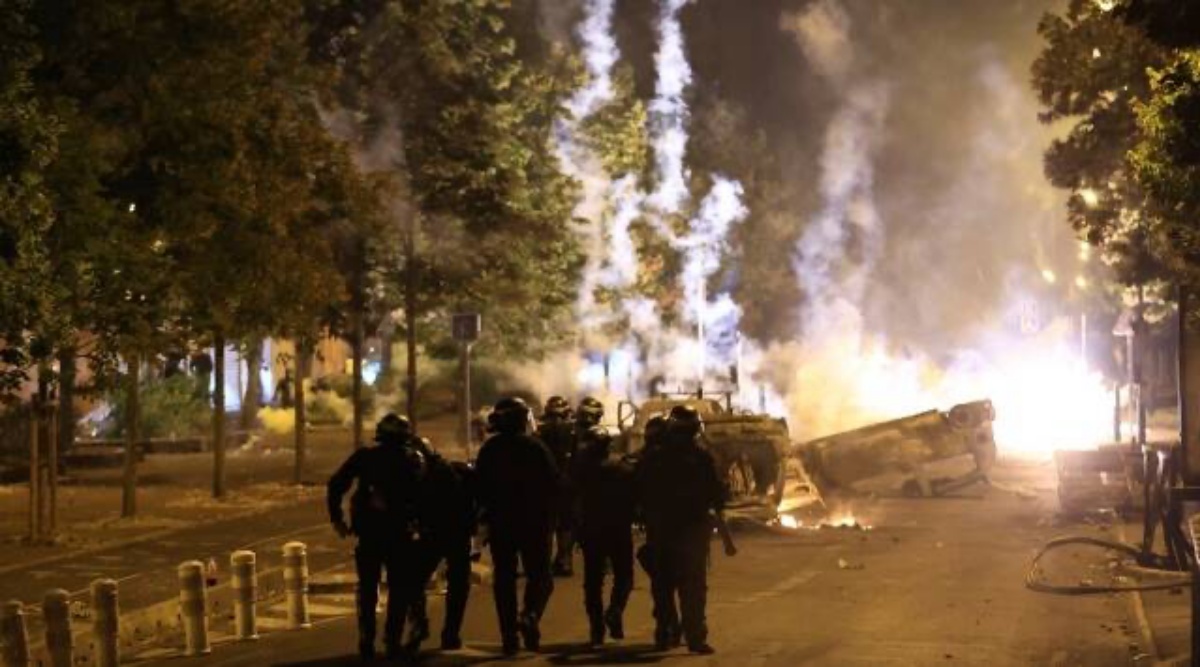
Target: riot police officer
448,514
679,490
383,515
517,482
556,431
605,492
656,431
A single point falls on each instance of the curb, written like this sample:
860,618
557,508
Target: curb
1137,610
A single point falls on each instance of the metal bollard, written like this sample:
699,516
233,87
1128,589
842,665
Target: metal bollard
14,638
245,588
57,613
106,623
295,584
193,606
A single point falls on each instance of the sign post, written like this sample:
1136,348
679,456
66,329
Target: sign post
465,328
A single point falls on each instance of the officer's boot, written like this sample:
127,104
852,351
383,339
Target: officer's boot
530,633
614,622
366,639
596,630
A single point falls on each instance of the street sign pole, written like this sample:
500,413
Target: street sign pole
465,418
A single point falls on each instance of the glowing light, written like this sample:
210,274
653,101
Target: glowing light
1095,54
1090,197
842,520
1049,276
1085,251
1081,282
132,208
1106,5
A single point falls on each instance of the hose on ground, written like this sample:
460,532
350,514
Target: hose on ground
1034,583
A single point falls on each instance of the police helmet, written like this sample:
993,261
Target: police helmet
510,415
393,429
590,410
656,428
556,406
684,423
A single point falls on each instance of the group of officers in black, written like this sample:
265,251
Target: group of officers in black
530,496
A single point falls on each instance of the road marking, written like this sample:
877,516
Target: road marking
795,581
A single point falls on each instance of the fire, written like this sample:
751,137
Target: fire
844,520
1046,398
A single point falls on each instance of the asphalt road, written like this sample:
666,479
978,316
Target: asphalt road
935,582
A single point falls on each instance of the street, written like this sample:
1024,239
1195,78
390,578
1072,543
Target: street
935,581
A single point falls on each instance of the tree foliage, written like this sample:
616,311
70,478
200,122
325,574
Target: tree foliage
1090,73
442,97
28,145
1166,162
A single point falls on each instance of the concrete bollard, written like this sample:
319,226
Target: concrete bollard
106,623
193,607
56,611
295,584
245,589
14,638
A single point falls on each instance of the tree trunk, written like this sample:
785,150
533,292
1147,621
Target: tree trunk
300,410
218,417
66,400
51,471
35,476
254,391
356,388
410,320
132,435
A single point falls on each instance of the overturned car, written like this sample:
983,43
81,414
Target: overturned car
905,446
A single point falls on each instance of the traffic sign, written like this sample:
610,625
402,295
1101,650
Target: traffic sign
465,327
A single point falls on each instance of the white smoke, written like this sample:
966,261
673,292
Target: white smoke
843,374
706,348
669,111
578,160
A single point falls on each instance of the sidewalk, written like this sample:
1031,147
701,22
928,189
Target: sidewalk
174,493
1165,616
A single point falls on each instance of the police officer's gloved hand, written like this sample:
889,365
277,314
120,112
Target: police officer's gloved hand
340,527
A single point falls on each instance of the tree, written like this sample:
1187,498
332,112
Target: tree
487,223
1166,162
28,147
109,250
1091,71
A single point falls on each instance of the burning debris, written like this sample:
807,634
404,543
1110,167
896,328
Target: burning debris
846,522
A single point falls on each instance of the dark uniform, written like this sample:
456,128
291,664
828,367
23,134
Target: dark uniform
383,515
558,434
448,514
679,490
517,482
656,429
605,491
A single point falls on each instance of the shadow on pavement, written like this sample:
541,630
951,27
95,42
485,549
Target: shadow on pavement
582,654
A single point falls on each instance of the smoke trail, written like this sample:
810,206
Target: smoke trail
578,161
609,208
669,111
839,374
